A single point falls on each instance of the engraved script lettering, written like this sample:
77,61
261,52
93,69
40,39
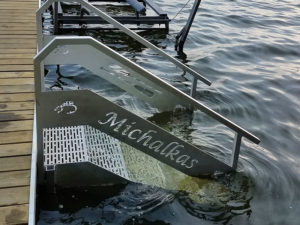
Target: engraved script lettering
172,151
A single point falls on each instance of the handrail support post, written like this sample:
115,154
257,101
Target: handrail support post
236,150
193,92
194,87
55,16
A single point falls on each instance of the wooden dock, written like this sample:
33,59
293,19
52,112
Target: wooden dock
17,48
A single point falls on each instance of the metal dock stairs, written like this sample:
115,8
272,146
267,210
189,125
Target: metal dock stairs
82,136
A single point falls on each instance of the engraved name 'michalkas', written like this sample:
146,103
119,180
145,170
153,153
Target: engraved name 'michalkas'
172,151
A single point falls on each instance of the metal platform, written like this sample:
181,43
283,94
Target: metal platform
86,145
82,18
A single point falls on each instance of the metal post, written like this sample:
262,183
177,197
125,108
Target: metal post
182,35
55,18
193,93
194,87
167,25
236,150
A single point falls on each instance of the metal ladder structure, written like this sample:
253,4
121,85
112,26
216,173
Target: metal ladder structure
80,134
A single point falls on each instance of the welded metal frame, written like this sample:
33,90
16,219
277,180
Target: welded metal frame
161,17
184,98
92,108
46,100
39,75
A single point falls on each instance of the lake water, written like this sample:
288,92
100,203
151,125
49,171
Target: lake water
250,50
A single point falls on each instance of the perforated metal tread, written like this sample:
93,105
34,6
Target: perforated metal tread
63,145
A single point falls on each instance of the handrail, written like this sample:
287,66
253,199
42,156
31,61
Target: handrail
239,131
118,25
93,110
184,97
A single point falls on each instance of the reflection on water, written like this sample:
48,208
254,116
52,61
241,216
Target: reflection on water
250,51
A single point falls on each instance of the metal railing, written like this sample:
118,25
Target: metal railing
142,73
239,131
89,108
110,20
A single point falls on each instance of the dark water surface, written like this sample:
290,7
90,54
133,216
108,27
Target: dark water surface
250,50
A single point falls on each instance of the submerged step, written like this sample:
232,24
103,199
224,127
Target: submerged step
86,145
74,144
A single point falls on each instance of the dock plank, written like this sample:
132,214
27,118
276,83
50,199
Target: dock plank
16,81
17,51
15,149
17,48
17,24
16,115
12,27
13,61
11,14
16,67
8,36
16,88
14,196
14,178
16,214
17,32
17,97
17,5
15,74
17,8
17,45
17,56
14,20
21,125
18,40
15,163
15,137
16,106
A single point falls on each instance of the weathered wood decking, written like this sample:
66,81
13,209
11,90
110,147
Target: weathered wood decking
17,48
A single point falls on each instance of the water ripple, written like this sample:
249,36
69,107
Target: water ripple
250,50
